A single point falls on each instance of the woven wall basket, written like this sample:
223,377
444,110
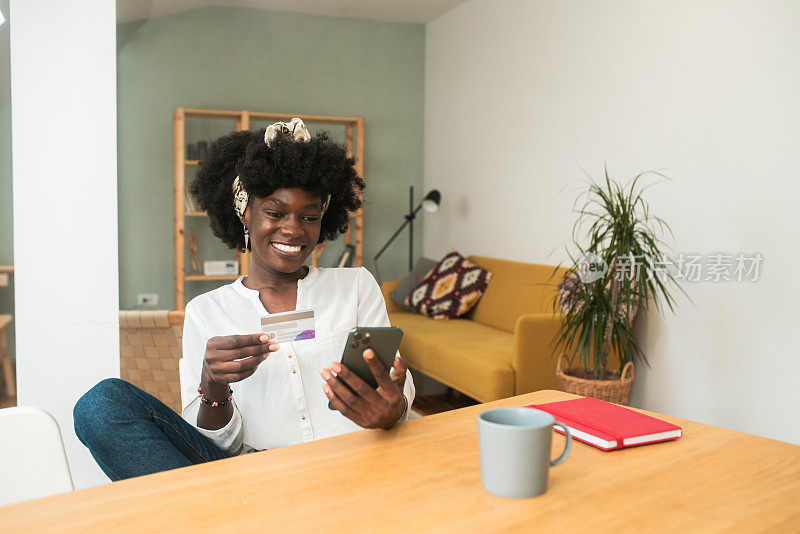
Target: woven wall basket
616,390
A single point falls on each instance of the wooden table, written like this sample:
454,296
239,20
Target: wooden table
424,476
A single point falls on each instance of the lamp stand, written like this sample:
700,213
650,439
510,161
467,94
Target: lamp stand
410,216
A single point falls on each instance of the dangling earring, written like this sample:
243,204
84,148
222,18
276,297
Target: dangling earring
246,238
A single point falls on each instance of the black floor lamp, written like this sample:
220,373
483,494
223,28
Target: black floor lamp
430,203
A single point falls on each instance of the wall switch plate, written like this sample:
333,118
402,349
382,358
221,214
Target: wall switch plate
147,299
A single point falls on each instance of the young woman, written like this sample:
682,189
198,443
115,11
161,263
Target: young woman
278,193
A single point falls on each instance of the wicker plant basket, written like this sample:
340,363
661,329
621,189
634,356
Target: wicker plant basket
615,390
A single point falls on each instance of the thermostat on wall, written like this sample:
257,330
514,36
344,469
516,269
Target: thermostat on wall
221,268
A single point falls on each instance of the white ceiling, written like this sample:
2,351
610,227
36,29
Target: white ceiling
417,11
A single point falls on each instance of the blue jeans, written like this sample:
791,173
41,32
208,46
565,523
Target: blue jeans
131,433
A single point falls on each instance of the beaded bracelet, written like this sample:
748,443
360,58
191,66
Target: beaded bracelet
405,410
215,403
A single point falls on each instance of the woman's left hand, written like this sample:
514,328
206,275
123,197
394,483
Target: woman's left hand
367,407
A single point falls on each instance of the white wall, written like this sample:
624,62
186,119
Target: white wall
64,109
521,95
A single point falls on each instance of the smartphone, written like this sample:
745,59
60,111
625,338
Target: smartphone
384,340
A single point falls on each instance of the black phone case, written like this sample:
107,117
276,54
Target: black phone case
384,340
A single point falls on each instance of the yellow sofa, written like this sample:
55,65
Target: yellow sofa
502,347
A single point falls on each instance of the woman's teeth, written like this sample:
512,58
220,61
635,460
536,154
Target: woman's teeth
291,249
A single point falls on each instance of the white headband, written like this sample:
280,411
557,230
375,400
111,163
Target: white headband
294,127
299,132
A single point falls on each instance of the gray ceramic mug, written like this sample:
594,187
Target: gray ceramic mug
515,450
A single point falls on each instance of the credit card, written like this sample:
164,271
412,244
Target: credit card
295,325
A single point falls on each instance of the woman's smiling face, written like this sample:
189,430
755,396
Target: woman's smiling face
284,228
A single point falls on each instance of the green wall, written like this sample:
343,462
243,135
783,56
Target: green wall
224,58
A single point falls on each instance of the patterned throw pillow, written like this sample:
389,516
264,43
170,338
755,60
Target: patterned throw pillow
451,289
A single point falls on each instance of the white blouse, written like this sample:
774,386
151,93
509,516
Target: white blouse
282,403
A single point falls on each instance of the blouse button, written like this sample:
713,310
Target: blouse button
290,355
303,417
294,371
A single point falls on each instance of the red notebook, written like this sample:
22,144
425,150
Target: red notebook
608,426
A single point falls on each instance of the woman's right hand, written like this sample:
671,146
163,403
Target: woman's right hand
230,359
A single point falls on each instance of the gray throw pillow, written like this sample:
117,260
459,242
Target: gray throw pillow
411,280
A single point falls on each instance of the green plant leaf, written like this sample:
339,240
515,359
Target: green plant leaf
614,221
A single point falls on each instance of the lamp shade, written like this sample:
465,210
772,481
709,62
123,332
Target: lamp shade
431,201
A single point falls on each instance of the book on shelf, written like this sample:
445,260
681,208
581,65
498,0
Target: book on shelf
188,202
345,258
608,426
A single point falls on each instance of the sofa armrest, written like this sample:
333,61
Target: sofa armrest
535,357
386,288
534,360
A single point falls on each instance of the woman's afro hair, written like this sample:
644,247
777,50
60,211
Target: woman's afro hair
320,166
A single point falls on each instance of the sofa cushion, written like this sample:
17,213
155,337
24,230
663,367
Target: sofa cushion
467,356
450,289
407,284
516,289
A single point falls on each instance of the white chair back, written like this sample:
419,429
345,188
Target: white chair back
32,459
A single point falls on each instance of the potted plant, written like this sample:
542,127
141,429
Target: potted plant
622,266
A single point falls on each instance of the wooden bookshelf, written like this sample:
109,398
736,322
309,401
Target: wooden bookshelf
354,132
